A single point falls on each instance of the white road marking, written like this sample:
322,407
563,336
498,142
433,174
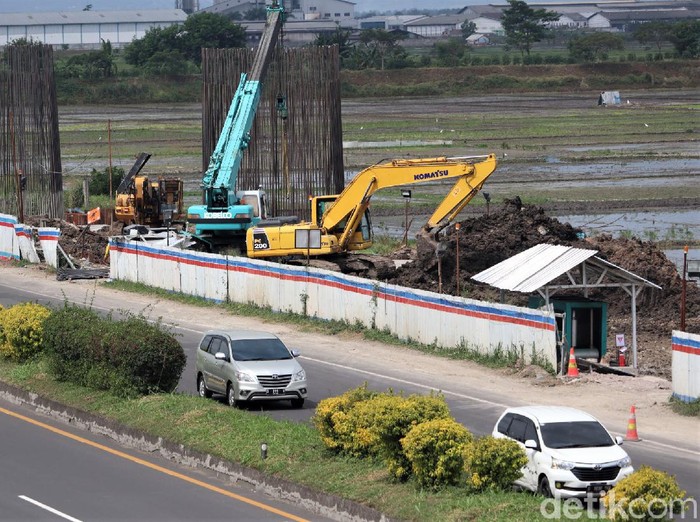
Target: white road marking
411,383
49,508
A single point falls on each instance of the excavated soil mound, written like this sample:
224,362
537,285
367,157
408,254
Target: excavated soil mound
84,244
487,240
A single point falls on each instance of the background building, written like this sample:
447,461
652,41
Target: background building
85,29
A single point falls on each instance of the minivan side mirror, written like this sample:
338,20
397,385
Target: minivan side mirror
619,440
531,444
221,356
295,352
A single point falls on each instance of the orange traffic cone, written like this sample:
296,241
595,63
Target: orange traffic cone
573,369
632,427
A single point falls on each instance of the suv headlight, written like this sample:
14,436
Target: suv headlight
299,376
562,464
244,377
623,463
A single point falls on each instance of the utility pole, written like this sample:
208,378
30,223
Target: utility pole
685,271
109,142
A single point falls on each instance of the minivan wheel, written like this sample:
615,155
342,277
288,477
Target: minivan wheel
231,397
202,388
543,487
297,403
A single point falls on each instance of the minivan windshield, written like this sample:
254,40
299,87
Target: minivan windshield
259,350
581,434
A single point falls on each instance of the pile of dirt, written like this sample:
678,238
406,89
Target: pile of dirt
489,239
85,244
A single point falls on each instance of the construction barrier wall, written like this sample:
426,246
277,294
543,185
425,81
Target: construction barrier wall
685,366
48,237
17,241
9,244
426,317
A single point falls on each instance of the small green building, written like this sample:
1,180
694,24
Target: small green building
583,324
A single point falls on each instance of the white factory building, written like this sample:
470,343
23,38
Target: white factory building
85,29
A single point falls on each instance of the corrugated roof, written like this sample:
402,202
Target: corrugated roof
534,268
453,19
93,17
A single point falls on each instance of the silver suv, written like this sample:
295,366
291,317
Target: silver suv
249,366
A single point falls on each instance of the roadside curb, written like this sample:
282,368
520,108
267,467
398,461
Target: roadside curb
331,506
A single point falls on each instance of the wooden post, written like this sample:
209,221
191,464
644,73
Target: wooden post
457,226
683,287
109,142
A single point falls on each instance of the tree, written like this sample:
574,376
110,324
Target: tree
339,37
468,29
653,33
595,46
209,30
685,37
199,30
378,48
450,53
524,26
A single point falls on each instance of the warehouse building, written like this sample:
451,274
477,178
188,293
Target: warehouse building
85,29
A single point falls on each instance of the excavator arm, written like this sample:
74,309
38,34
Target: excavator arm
340,223
471,173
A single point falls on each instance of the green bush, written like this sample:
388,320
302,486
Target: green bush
645,495
435,449
2,336
378,425
493,463
144,355
23,331
127,357
73,335
331,414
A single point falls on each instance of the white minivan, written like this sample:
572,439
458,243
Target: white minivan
249,366
570,453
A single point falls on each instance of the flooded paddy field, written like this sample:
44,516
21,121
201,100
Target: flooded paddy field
631,169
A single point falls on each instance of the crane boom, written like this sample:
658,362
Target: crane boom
222,212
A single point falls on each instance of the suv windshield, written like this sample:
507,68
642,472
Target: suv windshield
582,434
259,350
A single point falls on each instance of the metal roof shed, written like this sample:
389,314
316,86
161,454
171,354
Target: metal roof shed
539,269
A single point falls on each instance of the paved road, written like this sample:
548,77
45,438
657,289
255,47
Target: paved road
51,471
333,372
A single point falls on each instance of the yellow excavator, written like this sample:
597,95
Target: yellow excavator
144,201
341,223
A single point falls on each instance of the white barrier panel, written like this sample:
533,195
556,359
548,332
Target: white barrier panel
449,322
685,366
9,245
27,250
48,237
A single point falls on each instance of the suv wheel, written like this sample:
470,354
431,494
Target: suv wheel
543,487
231,397
202,389
297,403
